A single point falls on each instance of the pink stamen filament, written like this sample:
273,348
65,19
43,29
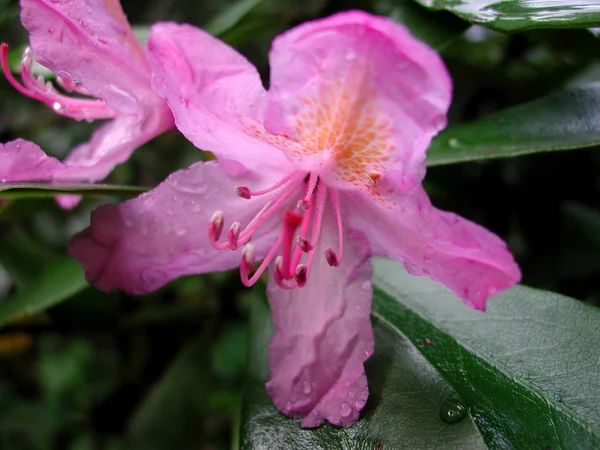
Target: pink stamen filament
245,267
245,192
76,108
332,258
321,198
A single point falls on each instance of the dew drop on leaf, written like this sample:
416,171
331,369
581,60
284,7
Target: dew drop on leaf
453,411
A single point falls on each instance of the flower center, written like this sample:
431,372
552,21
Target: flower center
293,242
45,92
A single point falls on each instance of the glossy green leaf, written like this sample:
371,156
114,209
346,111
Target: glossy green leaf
437,29
565,120
527,368
170,416
407,398
59,280
518,15
231,16
49,189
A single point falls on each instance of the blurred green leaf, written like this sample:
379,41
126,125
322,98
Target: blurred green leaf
59,280
565,120
230,17
518,15
171,415
407,397
50,189
527,369
437,29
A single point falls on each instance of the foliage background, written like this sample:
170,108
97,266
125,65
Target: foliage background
165,370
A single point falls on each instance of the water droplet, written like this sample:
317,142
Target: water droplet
56,106
345,410
350,55
453,143
288,407
453,411
366,286
181,232
306,387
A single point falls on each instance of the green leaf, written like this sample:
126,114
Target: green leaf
527,369
231,16
565,120
59,280
170,417
50,189
518,15
437,29
407,398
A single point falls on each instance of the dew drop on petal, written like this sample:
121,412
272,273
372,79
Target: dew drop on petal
345,410
56,106
366,286
453,411
306,387
350,55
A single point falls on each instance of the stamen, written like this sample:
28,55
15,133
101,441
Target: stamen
249,256
245,266
304,245
338,218
233,235
245,192
215,229
37,89
301,275
321,198
310,187
267,211
331,258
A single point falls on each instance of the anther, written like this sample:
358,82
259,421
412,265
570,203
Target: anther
331,258
216,226
233,235
249,257
301,275
304,245
243,192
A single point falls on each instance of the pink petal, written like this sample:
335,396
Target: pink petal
146,242
468,259
323,336
215,94
90,42
110,145
21,160
360,96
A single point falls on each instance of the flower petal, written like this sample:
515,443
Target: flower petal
146,242
110,145
468,259
90,42
361,96
215,94
22,160
323,336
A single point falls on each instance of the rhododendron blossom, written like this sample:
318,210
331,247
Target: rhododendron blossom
23,160
91,48
313,176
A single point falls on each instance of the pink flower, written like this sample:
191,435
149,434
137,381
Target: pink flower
23,160
91,48
314,176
